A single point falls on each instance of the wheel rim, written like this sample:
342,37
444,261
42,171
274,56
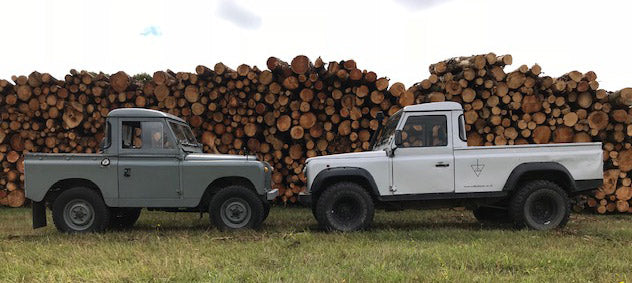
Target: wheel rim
543,209
79,214
346,210
235,212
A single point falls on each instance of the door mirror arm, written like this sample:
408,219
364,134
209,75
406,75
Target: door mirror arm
398,137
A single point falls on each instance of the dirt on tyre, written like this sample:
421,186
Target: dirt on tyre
345,207
123,217
236,207
540,205
486,214
80,210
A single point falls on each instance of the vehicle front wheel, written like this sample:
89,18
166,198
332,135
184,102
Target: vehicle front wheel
123,217
540,205
345,206
236,207
266,209
80,210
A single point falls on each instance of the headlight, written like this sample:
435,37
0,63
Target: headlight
266,169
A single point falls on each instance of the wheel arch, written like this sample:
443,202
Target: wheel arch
221,183
64,184
339,174
550,171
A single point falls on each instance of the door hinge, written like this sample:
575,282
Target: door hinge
392,188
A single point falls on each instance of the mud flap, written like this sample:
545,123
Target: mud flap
39,214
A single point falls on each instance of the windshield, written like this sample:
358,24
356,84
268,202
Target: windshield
183,134
387,131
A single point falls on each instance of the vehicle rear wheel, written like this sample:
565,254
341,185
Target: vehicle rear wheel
486,214
236,207
540,205
345,206
80,210
123,217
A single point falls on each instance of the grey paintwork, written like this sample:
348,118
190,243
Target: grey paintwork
175,177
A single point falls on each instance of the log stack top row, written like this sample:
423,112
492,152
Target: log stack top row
302,108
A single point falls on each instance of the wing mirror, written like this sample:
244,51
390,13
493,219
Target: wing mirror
380,117
398,137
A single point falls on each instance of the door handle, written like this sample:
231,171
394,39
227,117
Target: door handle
127,172
441,164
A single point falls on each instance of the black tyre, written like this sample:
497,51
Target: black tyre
123,217
266,209
236,207
486,214
345,206
80,210
540,205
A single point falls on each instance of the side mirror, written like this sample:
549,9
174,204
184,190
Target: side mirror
398,137
380,117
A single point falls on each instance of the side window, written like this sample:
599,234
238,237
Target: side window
131,135
156,136
145,135
425,131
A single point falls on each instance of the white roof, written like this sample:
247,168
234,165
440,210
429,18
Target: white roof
434,106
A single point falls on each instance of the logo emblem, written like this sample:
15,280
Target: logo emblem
477,168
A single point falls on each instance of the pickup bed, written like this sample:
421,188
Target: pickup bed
421,159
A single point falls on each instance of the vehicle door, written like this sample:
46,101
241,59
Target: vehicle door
424,161
149,163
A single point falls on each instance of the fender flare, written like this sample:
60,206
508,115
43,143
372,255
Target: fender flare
544,167
339,172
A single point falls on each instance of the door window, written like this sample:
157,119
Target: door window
146,135
425,131
131,135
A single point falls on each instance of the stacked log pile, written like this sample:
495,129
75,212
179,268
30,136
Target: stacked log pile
299,109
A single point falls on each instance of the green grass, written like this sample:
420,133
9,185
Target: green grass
436,245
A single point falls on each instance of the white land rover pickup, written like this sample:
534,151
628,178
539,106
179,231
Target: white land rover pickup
420,159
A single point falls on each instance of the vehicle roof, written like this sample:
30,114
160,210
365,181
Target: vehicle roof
434,106
142,113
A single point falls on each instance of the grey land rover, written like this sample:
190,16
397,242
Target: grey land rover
149,159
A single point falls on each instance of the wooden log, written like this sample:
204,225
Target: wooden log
16,198
119,81
301,65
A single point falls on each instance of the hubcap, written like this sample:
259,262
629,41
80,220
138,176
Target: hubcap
345,210
78,214
543,210
235,213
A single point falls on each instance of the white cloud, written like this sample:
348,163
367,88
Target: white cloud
238,15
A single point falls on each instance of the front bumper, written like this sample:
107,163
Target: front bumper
271,195
305,198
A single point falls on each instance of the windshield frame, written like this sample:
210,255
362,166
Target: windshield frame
182,130
387,131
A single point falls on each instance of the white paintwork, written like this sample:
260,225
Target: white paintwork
435,106
420,162
376,162
583,161
472,169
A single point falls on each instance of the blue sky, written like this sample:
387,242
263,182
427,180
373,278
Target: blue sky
395,38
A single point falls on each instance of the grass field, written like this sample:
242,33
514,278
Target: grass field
437,245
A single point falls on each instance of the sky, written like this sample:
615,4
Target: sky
394,38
